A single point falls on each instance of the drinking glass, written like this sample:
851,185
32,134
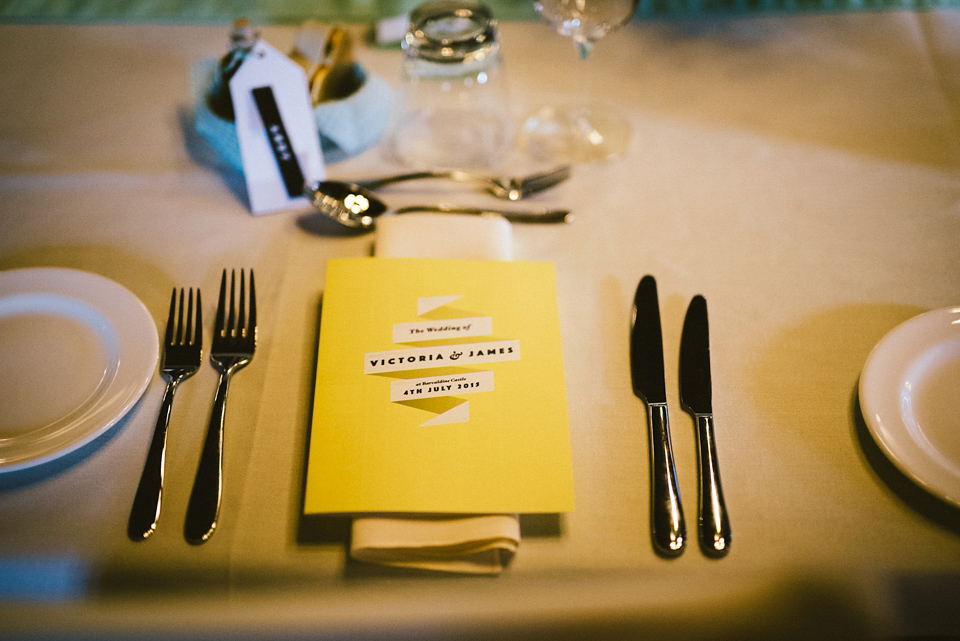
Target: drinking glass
580,131
453,98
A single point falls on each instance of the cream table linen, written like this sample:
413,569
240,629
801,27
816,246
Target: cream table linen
801,172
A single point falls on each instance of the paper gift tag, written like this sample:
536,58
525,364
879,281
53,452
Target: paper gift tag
279,142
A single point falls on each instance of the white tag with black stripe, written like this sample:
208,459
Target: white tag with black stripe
279,142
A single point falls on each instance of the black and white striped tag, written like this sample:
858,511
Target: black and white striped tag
276,130
279,141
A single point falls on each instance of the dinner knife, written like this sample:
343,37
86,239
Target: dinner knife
696,398
646,369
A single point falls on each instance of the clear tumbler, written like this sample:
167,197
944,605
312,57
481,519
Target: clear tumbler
454,107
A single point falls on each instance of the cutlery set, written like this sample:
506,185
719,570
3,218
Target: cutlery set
354,204
647,373
234,342
358,208
500,187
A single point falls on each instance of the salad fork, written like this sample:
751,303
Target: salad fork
181,359
506,188
234,341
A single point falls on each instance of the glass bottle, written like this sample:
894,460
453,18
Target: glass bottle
242,39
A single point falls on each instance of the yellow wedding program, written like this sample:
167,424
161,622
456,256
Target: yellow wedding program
439,389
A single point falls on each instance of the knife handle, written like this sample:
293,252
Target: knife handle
666,512
714,522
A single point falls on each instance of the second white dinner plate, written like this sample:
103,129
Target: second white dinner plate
910,399
77,350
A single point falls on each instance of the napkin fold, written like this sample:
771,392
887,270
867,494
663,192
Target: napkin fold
463,543
470,544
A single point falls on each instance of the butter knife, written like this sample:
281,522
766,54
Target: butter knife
646,369
696,398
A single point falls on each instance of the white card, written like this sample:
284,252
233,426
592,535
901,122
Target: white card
275,154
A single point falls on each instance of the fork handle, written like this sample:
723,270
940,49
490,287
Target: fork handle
204,506
146,503
383,181
537,216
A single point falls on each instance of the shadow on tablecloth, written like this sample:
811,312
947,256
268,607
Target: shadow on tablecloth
944,514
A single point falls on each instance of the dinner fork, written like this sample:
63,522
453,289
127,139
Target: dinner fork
234,341
181,359
506,188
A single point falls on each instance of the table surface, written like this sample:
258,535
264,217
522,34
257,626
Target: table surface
801,172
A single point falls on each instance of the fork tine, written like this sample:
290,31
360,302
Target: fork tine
180,320
168,335
221,306
559,171
547,178
231,318
242,316
198,336
252,324
189,329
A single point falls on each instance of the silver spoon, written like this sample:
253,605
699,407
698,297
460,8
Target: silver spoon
505,187
358,208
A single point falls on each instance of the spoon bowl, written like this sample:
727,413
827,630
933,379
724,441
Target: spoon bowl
358,208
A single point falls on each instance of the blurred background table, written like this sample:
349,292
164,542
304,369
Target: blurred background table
800,170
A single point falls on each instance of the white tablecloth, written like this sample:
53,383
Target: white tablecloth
799,171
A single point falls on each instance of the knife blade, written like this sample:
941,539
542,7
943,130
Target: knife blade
646,369
696,397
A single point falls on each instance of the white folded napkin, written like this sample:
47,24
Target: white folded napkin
476,544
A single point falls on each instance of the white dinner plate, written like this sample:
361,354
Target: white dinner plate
910,398
76,352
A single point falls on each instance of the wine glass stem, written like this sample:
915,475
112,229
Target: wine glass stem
584,47
585,81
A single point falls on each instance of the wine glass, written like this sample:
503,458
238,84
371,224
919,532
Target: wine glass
580,132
